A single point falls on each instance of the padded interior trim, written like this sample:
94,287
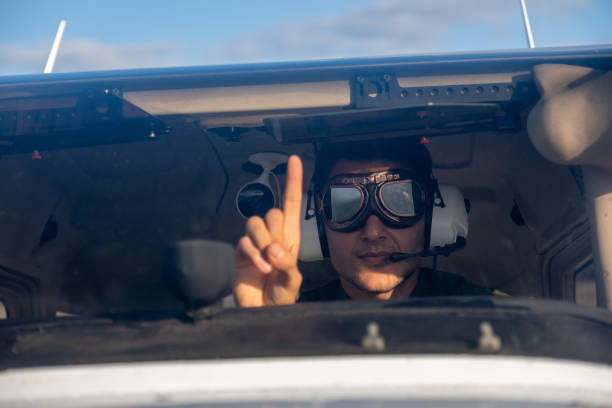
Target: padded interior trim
572,124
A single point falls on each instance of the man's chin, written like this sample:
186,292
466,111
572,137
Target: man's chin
377,281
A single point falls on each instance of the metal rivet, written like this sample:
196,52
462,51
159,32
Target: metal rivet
360,79
387,77
494,89
449,91
464,91
509,88
489,342
479,90
404,93
373,341
419,92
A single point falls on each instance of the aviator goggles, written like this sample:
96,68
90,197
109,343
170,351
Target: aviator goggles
394,196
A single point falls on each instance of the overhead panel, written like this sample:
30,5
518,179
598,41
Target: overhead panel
242,98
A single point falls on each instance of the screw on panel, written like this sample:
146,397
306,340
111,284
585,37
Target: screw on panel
373,341
360,79
387,77
488,342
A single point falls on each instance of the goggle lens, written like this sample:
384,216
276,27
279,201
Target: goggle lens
399,198
399,203
342,203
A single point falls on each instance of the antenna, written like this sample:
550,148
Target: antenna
55,47
530,43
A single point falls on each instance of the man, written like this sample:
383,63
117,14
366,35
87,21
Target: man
373,198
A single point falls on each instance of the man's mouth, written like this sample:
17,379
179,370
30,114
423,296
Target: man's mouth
375,258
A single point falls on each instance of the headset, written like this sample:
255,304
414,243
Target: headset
448,227
446,219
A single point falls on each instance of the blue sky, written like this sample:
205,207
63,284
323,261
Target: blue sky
113,34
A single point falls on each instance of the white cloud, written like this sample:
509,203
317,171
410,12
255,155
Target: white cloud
21,59
87,55
391,27
383,27
558,8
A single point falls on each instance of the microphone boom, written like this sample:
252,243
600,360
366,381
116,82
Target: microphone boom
435,251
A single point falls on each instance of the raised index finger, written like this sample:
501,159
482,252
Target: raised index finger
292,202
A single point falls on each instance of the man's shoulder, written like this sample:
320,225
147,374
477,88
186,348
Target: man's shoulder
437,283
430,283
331,291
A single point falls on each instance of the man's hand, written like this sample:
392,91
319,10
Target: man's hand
266,256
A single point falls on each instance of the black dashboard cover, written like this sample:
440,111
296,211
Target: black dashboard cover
446,325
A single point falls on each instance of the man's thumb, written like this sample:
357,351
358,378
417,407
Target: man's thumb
289,276
280,258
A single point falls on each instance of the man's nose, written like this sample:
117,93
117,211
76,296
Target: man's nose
373,229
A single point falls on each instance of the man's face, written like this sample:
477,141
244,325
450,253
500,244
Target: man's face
361,257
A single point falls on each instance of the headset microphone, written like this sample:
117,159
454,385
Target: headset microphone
435,251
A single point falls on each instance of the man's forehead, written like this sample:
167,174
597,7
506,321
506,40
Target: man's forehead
345,166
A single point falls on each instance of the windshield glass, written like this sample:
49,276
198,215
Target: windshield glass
200,197
114,34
